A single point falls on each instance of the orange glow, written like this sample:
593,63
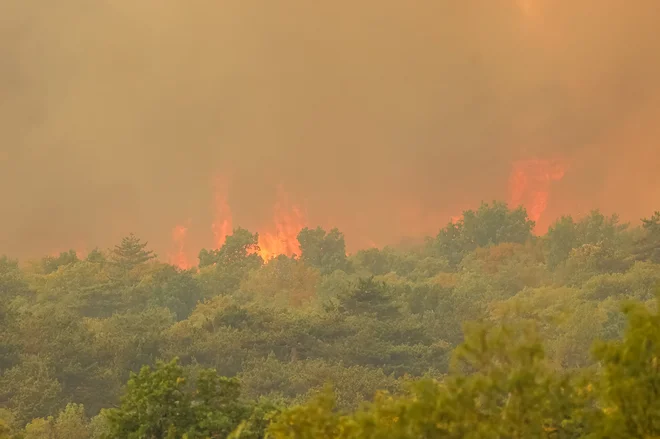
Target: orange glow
530,183
456,218
529,8
81,251
179,258
222,219
289,220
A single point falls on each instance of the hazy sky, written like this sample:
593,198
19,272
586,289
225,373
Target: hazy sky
116,114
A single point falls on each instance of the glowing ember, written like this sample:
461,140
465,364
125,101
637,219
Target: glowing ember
289,220
179,258
222,220
530,183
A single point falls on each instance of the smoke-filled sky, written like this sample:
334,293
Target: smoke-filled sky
382,117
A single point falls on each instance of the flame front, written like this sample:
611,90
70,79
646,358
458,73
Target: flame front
222,218
179,258
530,183
289,221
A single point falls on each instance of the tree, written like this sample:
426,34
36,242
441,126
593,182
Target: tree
630,386
501,388
488,225
325,251
51,264
648,247
369,297
566,234
222,270
130,253
317,419
562,237
240,251
96,256
71,423
283,281
373,260
164,402
169,287
30,389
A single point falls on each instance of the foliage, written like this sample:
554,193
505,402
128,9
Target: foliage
130,253
380,326
648,247
488,225
164,403
325,251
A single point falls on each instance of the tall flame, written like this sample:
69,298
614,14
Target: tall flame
222,218
289,220
530,183
179,257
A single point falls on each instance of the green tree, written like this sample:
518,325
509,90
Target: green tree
648,247
283,281
566,234
369,297
167,286
240,250
222,270
130,253
630,386
31,389
52,263
71,423
325,251
166,403
488,225
501,388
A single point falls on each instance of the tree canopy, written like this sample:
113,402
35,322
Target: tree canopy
485,331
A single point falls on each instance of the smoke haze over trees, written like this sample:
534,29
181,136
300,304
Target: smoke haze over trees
379,118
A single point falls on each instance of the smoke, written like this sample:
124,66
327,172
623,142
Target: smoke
380,117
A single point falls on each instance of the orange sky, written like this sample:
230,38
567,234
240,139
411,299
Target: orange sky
379,117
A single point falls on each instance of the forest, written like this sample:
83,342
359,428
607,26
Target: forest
485,330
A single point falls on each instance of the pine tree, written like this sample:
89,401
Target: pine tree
130,253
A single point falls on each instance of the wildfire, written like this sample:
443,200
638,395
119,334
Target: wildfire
179,258
222,219
289,220
530,183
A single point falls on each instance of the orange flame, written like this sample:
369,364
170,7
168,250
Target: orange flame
289,220
179,258
530,182
222,218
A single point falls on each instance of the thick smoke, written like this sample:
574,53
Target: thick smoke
384,118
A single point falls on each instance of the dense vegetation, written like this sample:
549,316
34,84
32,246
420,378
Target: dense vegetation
120,345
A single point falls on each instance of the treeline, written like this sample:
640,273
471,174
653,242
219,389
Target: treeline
256,343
